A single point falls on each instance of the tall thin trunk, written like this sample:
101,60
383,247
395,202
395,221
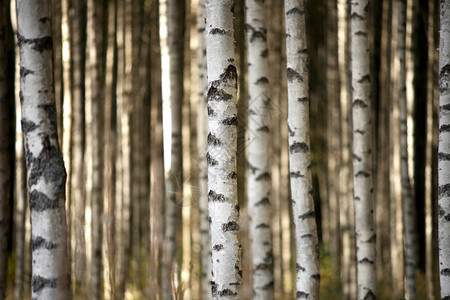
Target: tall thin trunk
78,194
362,151
96,60
202,132
45,165
259,132
221,156
345,178
6,99
157,153
444,150
109,232
124,104
407,197
174,183
308,277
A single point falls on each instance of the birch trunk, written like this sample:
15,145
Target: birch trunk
362,151
222,145
407,197
45,165
202,132
259,131
444,151
5,160
307,263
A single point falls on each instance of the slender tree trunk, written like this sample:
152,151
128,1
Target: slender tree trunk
78,193
109,232
202,132
308,277
259,132
157,153
362,151
444,150
407,197
124,104
5,158
46,173
221,157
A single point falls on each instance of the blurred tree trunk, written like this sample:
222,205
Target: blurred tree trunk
124,41
158,195
333,133
346,209
362,151
77,33
96,18
409,212
6,103
43,156
222,147
307,280
202,131
444,150
110,153
259,133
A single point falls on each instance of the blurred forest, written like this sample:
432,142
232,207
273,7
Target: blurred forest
130,95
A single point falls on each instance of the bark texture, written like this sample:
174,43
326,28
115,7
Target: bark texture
307,262
45,165
202,132
409,211
222,145
444,151
259,131
362,151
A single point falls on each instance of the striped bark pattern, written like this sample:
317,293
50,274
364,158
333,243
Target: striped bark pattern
307,266
362,151
221,157
444,151
259,175
45,165
409,212
5,170
202,133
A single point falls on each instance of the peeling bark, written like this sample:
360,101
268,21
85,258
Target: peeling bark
45,165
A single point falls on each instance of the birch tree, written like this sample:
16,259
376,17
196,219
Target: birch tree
45,165
5,170
259,176
407,197
307,247
222,145
444,151
362,156
202,132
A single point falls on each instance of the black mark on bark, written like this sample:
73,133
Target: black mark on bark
230,226
298,147
293,75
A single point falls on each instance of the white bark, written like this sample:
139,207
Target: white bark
202,132
308,277
362,157
45,165
259,175
221,156
444,151
407,197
